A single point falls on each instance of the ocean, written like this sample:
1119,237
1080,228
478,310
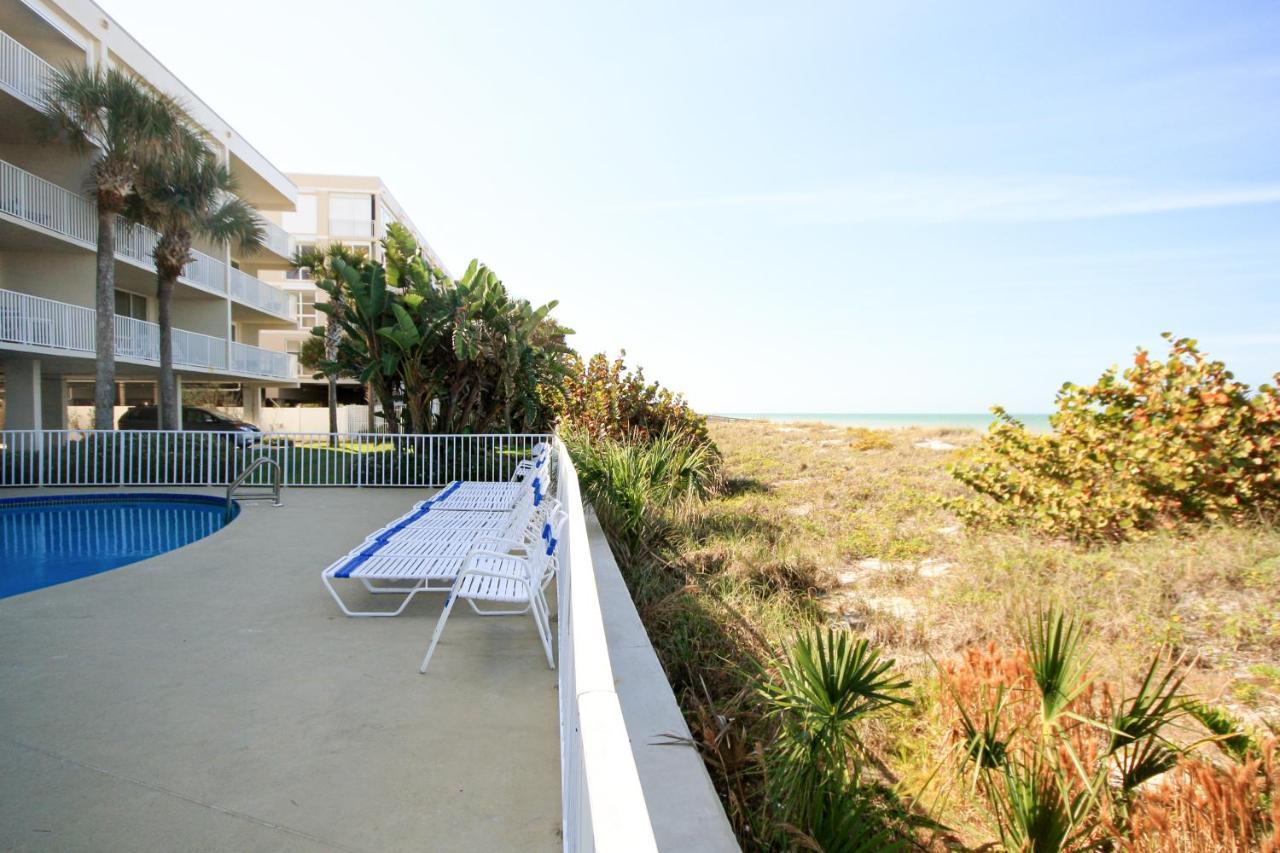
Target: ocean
883,420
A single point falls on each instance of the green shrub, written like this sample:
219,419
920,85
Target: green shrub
602,399
633,485
1161,446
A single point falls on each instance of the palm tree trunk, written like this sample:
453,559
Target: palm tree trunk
170,405
331,353
104,382
333,410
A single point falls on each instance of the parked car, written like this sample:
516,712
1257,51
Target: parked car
194,419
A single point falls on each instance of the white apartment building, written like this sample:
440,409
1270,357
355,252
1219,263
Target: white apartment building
226,305
350,209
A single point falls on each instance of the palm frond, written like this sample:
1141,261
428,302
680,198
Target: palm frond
1058,660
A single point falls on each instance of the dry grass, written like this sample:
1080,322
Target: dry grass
819,523
854,515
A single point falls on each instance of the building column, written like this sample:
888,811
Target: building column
251,400
23,408
53,402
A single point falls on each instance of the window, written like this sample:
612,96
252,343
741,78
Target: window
302,303
387,218
131,305
292,349
293,274
351,215
304,220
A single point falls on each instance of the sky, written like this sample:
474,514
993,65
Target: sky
802,207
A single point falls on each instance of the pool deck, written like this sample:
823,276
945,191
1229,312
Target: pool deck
213,698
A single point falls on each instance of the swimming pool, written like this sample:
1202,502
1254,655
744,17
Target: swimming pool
47,541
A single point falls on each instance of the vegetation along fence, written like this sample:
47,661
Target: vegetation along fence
189,458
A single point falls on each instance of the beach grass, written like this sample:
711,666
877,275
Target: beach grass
821,524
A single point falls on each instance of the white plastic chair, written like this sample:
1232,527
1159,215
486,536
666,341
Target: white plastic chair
503,578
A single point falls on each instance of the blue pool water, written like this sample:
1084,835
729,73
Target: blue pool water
47,541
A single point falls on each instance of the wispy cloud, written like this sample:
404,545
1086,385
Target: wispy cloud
943,198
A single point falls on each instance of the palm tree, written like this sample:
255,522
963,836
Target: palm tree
121,124
186,195
319,263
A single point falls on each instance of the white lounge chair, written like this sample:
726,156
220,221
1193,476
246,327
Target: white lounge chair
503,578
428,559
473,496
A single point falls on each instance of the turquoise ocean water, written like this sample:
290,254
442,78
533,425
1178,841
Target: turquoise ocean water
884,420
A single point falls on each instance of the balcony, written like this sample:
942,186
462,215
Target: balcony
254,292
34,321
255,361
45,205
277,240
23,74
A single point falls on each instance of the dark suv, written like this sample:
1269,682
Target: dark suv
194,419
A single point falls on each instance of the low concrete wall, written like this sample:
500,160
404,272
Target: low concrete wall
686,810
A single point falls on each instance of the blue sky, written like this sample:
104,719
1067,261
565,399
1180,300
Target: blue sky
872,207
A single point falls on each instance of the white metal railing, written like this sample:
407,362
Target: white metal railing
199,350
137,339
255,292
45,204
42,203
601,796
138,243
40,322
36,321
259,362
193,458
277,240
22,72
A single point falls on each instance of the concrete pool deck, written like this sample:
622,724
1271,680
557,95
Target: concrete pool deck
213,698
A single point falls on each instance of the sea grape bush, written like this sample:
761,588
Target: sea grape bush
603,399
1162,445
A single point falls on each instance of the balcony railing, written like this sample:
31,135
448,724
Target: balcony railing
253,291
259,362
138,243
277,240
23,73
39,322
44,204
47,205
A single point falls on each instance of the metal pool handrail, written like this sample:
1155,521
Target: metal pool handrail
276,477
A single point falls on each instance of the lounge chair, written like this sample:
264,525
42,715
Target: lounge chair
473,496
492,575
428,559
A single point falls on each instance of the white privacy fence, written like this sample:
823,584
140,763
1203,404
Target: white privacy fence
192,458
602,799
40,322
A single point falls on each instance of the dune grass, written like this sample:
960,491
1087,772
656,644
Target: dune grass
817,524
